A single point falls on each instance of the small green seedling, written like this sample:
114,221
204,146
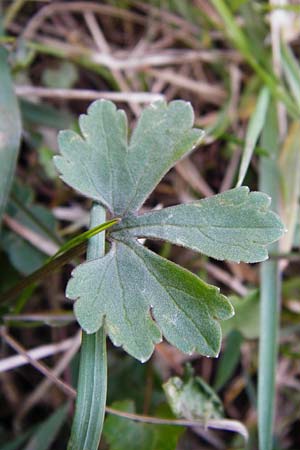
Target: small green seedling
192,398
137,295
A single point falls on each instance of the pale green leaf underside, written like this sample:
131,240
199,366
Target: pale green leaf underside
102,165
235,225
130,285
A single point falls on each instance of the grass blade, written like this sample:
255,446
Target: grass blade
77,240
254,130
92,382
229,359
65,254
16,443
244,46
10,131
289,163
291,70
48,430
269,294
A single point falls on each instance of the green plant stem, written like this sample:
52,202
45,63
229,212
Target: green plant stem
269,294
92,380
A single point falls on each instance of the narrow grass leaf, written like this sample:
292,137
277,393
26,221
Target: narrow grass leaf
291,70
47,432
269,294
229,360
255,29
44,115
23,254
246,318
79,239
92,379
75,248
91,393
266,74
253,132
222,122
10,131
15,444
289,163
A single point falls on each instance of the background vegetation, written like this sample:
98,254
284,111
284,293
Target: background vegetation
237,63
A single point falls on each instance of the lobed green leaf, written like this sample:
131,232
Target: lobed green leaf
103,166
235,225
142,296
131,284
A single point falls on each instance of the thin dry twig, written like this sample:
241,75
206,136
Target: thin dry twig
87,94
225,278
123,60
68,390
57,370
209,10
71,213
211,93
167,16
37,240
12,362
46,318
172,90
187,170
182,33
57,7
104,47
176,26
219,424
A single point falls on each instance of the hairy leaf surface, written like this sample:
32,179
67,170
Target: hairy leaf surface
129,283
235,225
102,164
139,295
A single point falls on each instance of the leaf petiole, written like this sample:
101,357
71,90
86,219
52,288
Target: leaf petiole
77,240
